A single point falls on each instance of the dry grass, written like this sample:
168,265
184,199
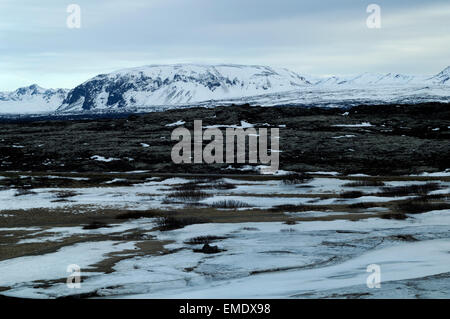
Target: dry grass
171,223
418,190
397,216
418,207
363,205
189,195
365,183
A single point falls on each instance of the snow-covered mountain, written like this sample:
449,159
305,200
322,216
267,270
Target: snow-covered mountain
159,87
442,78
31,100
328,81
179,84
366,88
371,79
379,79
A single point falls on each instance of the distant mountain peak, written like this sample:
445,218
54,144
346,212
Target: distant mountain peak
442,77
32,99
31,89
445,71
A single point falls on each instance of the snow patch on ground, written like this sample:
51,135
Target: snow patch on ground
104,159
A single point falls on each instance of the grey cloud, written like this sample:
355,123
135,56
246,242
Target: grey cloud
320,37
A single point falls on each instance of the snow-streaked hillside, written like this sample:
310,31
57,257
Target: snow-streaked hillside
179,84
372,79
442,78
345,96
379,79
31,100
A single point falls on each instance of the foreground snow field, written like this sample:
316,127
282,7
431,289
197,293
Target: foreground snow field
291,240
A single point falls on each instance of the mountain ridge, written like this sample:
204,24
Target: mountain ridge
177,85
31,99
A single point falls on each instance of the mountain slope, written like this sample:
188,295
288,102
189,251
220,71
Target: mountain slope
379,79
178,84
31,100
371,79
442,78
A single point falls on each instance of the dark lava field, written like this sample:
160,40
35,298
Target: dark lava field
375,140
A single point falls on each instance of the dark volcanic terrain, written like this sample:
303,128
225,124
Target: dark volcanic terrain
401,139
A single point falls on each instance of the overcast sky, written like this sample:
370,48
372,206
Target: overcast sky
310,37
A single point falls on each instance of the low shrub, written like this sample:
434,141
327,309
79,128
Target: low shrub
397,216
426,198
405,237
189,195
223,185
201,240
418,207
364,183
191,186
171,223
351,194
293,208
363,205
207,249
66,194
229,204
96,225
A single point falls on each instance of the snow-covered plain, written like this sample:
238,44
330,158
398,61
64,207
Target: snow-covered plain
316,257
153,194
262,260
